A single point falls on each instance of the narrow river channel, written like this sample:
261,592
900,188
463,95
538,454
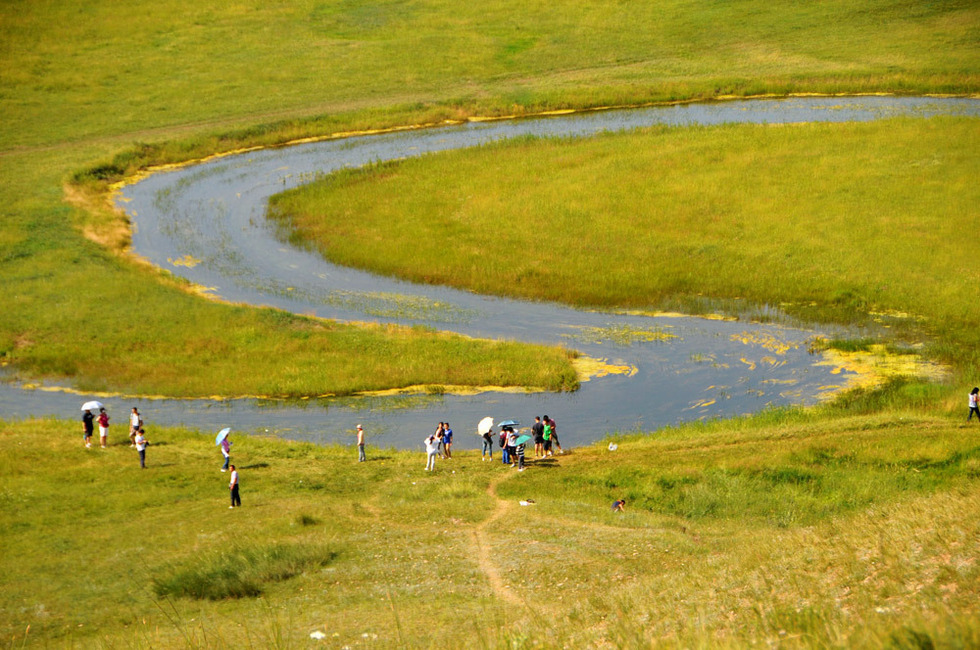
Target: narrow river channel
207,223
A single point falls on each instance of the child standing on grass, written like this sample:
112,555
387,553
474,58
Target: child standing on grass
974,404
141,447
432,450
103,428
236,499
447,440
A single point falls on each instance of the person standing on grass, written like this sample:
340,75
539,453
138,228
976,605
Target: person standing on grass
512,446
141,444
974,404
447,439
438,435
537,431
236,499
547,435
226,452
135,422
88,427
554,433
487,446
103,428
520,457
432,450
360,444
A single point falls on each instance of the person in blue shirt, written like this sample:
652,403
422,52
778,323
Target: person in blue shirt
447,440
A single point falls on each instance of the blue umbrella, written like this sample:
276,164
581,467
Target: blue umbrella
222,435
509,423
521,440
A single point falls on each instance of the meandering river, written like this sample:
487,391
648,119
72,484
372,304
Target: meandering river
206,222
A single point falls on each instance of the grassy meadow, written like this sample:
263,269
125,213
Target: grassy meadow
792,529
828,221
91,92
847,526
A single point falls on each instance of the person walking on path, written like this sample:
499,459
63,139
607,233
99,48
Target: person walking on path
141,447
226,452
103,428
554,434
135,422
360,444
88,427
432,450
537,431
236,499
974,404
447,440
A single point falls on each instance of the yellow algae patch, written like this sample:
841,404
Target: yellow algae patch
621,334
675,314
786,382
187,260
873,367
430,389
701,403
589,368
750,364
766,340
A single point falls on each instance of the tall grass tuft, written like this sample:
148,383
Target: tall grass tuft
240,572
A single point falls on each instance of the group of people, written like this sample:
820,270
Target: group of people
137,436
440,444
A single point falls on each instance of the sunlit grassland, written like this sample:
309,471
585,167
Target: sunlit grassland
100,69
76,310
99,89
801,528
829,221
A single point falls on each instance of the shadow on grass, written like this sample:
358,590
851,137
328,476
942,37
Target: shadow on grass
255,466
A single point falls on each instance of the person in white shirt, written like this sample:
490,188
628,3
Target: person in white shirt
135,422
141,443
432,449
974,404
360,444
236,500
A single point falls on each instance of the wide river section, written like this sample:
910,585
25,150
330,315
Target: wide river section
206,222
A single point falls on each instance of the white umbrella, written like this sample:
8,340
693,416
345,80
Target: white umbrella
485,425
222,435
92,406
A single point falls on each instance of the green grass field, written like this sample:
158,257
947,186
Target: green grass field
797,529
828,221
849,526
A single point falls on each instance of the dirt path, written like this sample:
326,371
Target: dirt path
481,548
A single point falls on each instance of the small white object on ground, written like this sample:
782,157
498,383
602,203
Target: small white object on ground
317,635
613,446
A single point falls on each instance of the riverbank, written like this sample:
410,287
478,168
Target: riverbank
798,528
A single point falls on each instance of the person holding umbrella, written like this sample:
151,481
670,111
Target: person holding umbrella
88,421
222,440
485,429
